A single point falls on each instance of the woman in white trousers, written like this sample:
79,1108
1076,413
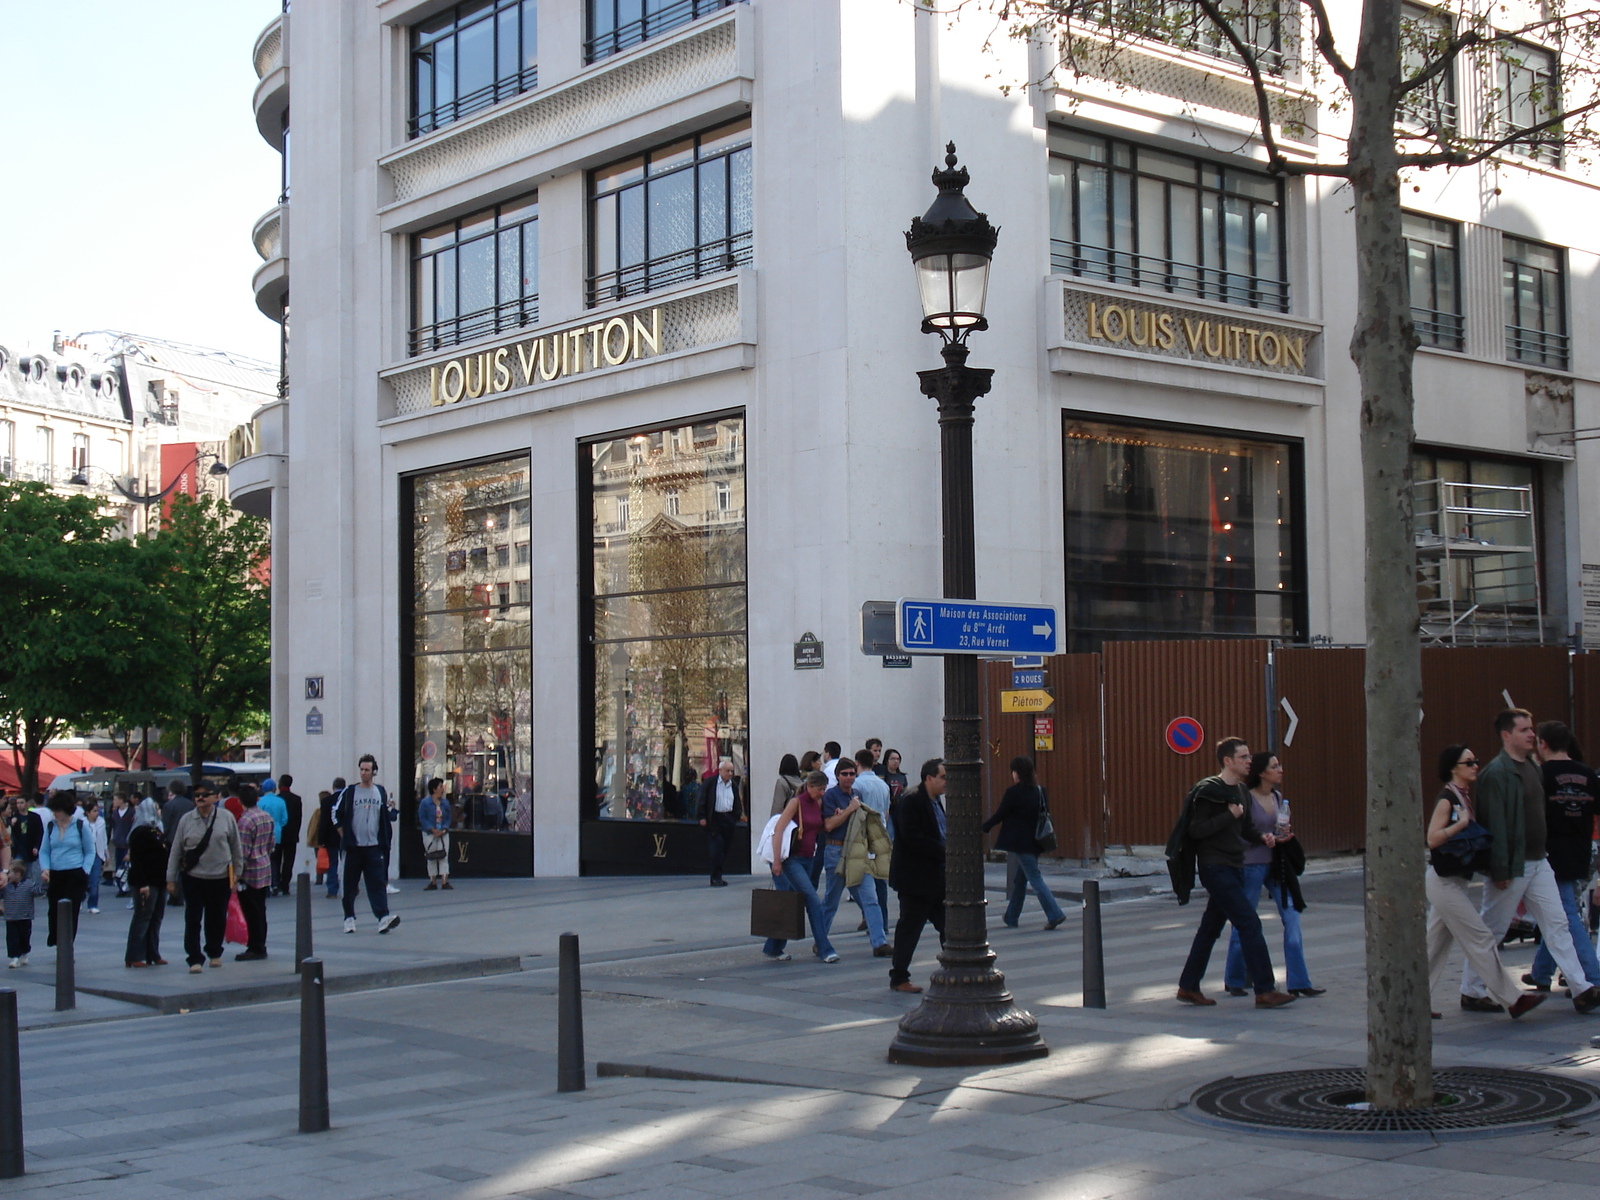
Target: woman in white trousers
1452,916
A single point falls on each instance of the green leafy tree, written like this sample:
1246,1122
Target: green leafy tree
81,640
216,598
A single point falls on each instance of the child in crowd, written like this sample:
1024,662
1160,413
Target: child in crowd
16,897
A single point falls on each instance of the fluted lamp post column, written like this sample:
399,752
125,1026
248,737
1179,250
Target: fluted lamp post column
966,1017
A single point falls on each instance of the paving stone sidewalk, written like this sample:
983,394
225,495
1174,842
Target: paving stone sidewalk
446,1089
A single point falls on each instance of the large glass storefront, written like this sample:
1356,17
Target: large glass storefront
469,664
1173,533
666,679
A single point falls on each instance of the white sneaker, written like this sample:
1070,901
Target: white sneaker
96,911
14,964
830,958
393,891
349,924
23,961
388,922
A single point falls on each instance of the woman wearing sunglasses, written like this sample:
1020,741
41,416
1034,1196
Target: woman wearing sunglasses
1452,916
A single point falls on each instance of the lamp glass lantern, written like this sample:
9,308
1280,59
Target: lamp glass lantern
951,247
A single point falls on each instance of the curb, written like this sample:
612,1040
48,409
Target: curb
289,989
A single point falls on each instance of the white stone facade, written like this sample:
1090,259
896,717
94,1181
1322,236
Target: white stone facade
815,342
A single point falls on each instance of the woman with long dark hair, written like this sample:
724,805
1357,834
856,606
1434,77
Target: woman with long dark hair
1275,868
893,775
789,782
1018,818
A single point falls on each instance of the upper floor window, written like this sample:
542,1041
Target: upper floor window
44,453
1433,106
1127,214
8,448
672,214
614,25
1433,261
469,57
80,452
1533,291
476,275
1529,86
1184,24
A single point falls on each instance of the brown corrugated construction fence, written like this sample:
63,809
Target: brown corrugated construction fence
1113,781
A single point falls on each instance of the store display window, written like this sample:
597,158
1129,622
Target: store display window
1173,533
666,642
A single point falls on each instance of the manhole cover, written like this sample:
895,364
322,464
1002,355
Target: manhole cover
1326,1101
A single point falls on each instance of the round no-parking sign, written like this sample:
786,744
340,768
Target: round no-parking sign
1184,735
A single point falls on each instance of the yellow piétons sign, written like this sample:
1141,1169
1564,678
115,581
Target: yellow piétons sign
1137,326
1026,700
546,358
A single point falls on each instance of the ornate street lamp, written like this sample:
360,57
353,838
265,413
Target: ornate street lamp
967,1017
80,478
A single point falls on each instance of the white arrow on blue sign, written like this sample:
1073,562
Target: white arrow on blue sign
975,627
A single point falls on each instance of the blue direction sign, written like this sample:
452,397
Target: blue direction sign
1027,679
975,627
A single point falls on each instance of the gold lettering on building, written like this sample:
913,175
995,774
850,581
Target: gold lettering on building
1135,326
546,358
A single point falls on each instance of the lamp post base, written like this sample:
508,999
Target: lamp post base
967,1018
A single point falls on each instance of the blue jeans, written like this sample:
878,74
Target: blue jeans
1544,963
94,881
1028,873
864,893
331,875
1226,901
1294,954
796,877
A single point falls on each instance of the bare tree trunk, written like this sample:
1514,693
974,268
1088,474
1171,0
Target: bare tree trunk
1399,1034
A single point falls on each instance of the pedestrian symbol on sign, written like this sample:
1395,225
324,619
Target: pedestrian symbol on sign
1184,735
919,625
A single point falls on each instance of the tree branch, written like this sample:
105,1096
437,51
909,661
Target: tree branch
1457,158
1324,40
1442,64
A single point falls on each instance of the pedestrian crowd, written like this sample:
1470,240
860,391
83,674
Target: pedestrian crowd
219,857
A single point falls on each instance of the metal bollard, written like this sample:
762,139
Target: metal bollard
66,976
570,1075
302,919
1094,957
313,1049
11,1165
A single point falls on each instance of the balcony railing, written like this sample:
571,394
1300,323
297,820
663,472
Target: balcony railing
1183,24
1167,275
1537,346
711,258
1437,328
446,112
453,331
654,21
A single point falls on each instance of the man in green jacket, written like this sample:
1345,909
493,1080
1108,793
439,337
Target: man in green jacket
1509,798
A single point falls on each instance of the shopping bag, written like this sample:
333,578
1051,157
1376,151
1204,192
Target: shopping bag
237,931
775,914
322,861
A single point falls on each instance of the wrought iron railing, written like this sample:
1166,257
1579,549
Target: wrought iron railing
1168,275
656,20
1437,328
452,331
710,258
1537,346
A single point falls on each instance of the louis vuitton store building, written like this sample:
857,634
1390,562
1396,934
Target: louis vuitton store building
602,392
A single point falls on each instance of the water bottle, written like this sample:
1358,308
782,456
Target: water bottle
1283,816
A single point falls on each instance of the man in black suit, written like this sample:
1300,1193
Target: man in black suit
721,809
916,871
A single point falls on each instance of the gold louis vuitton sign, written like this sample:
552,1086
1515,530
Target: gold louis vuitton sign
546,358
1179,334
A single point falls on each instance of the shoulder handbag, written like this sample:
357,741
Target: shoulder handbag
1464,854
1044,831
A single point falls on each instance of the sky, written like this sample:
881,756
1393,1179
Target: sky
133,171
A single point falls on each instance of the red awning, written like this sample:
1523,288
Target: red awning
60,760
